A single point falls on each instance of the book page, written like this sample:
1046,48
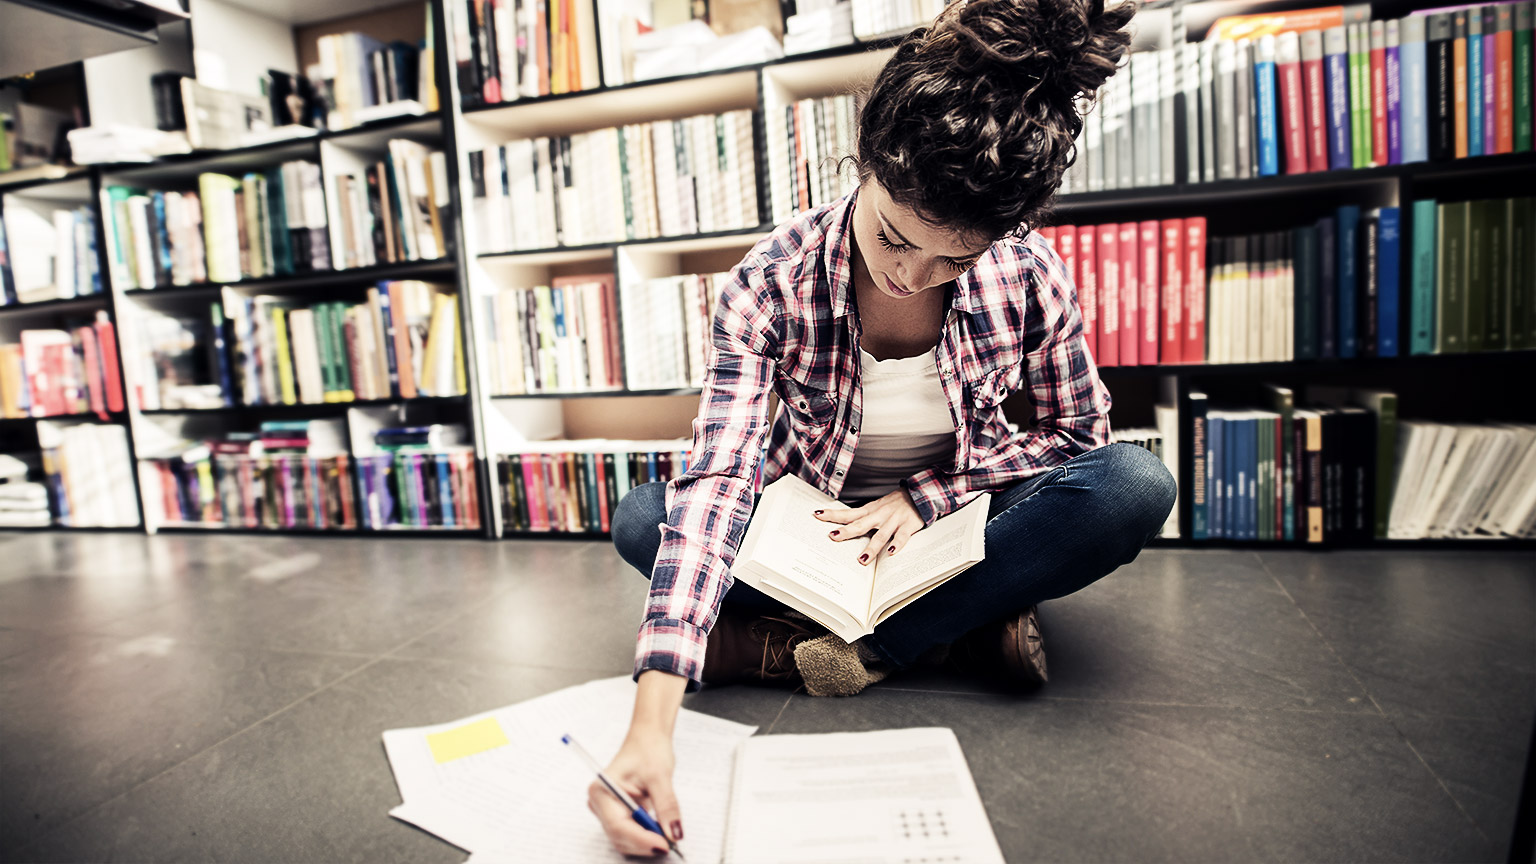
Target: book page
787,547
943,549
888,796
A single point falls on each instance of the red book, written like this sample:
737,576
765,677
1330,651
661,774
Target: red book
1151,288
602,492
1066,249
492,87
1109,294
1087,277
1279,484
1130,296
1314,92
1049,236
1503,84
1293,122
1172,347
95,381
541,45
1378,103
614,358
533,485
1194,293
106,342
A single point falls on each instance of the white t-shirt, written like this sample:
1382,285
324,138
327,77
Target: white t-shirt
906,425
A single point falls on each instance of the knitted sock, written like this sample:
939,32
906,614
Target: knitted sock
832,667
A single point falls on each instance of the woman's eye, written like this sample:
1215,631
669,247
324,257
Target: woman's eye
961,266
887,242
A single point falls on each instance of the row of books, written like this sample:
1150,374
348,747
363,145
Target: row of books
1141,287
574,486
88,474
405,341
556,338
667,327
419,477
874,18
1474,276
1346,468
47,256
263,223
806,144
675,177
357,72
397,209
1320,89
512,49
63,372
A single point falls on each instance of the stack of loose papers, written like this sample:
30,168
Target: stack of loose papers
501,785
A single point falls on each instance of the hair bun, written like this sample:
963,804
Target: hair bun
1061,47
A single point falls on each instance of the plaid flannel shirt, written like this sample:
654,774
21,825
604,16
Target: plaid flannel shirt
785,323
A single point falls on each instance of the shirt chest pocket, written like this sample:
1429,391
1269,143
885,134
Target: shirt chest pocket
809,408
989,391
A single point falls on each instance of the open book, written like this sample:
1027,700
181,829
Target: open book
788,556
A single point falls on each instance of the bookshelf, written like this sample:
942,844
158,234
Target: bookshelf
503,421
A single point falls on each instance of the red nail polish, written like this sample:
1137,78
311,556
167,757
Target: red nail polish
832,533
891,550
863,558
677,831
819,512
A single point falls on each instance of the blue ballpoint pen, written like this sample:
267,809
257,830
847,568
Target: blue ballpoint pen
646,820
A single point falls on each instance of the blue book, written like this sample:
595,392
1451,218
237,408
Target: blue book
444,488
1200,450
387,315
221,353
1475,83
1327,292
1422,309
1215,474
1336,89
1230,458
1264,94
1348,250
1415,90
1388,264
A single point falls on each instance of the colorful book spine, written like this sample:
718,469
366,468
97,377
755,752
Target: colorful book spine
1415,89
1358,36
1474,82
1459,83
1503,79
1268,107
1152,288
1108,248
1293,124
1522,50
1440,63
1130,295
1488,77
1392,62
1336,82
1388,266
1315,98
1377,65
1348,247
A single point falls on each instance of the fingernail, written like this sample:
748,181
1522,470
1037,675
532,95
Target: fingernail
832,533
819,512
891,550
677,831
863,558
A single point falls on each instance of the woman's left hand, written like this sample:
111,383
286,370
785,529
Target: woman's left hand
893,519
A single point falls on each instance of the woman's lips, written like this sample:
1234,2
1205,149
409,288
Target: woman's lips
896,289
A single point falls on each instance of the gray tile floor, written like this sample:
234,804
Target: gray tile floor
190,698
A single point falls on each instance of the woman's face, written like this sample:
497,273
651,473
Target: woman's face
903,254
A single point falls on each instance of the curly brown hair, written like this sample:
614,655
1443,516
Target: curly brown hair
971,124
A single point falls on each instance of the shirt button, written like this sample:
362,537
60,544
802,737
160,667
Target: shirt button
854,429
838,473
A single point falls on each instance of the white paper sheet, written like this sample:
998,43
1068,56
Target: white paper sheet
527,800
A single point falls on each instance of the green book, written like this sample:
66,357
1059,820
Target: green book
323,350
277,211
1384,404
1360,94
1282,400
1451,300
339,350
1477,274
1517,279
1422,300
1496,268
1525,17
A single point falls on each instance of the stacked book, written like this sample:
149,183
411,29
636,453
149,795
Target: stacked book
1465,481
360,79
420,477
404,342
48,256
556,338
261,224
90,483
1161,442
53,373
514,49
667,326
397,210
574,486
290,474
807,142
1314,90
875,18
1141,287
1473,276
668,178
22,504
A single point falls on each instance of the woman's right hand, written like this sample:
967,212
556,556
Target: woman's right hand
643,769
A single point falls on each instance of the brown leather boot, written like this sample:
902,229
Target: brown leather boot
754,649
1010,650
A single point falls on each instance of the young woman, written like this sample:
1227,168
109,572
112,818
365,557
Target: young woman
892,324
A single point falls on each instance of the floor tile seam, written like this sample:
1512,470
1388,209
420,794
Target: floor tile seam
238,646
1441,782
1321,638
782,708
193,755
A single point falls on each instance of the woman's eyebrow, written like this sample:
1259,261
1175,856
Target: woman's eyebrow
892,228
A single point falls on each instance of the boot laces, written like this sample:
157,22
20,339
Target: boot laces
778,650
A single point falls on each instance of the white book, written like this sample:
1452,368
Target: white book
64,253
1167,60
1168,427
1483,472
1522,462
1144,119
497,209
1208,150
787,555
1433,467
1414,439
1188,84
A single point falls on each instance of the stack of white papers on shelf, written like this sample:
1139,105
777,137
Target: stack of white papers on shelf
502,786
115,142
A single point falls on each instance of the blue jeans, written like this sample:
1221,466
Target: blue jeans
1047,537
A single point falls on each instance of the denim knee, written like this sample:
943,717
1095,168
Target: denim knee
1141,483
635,522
